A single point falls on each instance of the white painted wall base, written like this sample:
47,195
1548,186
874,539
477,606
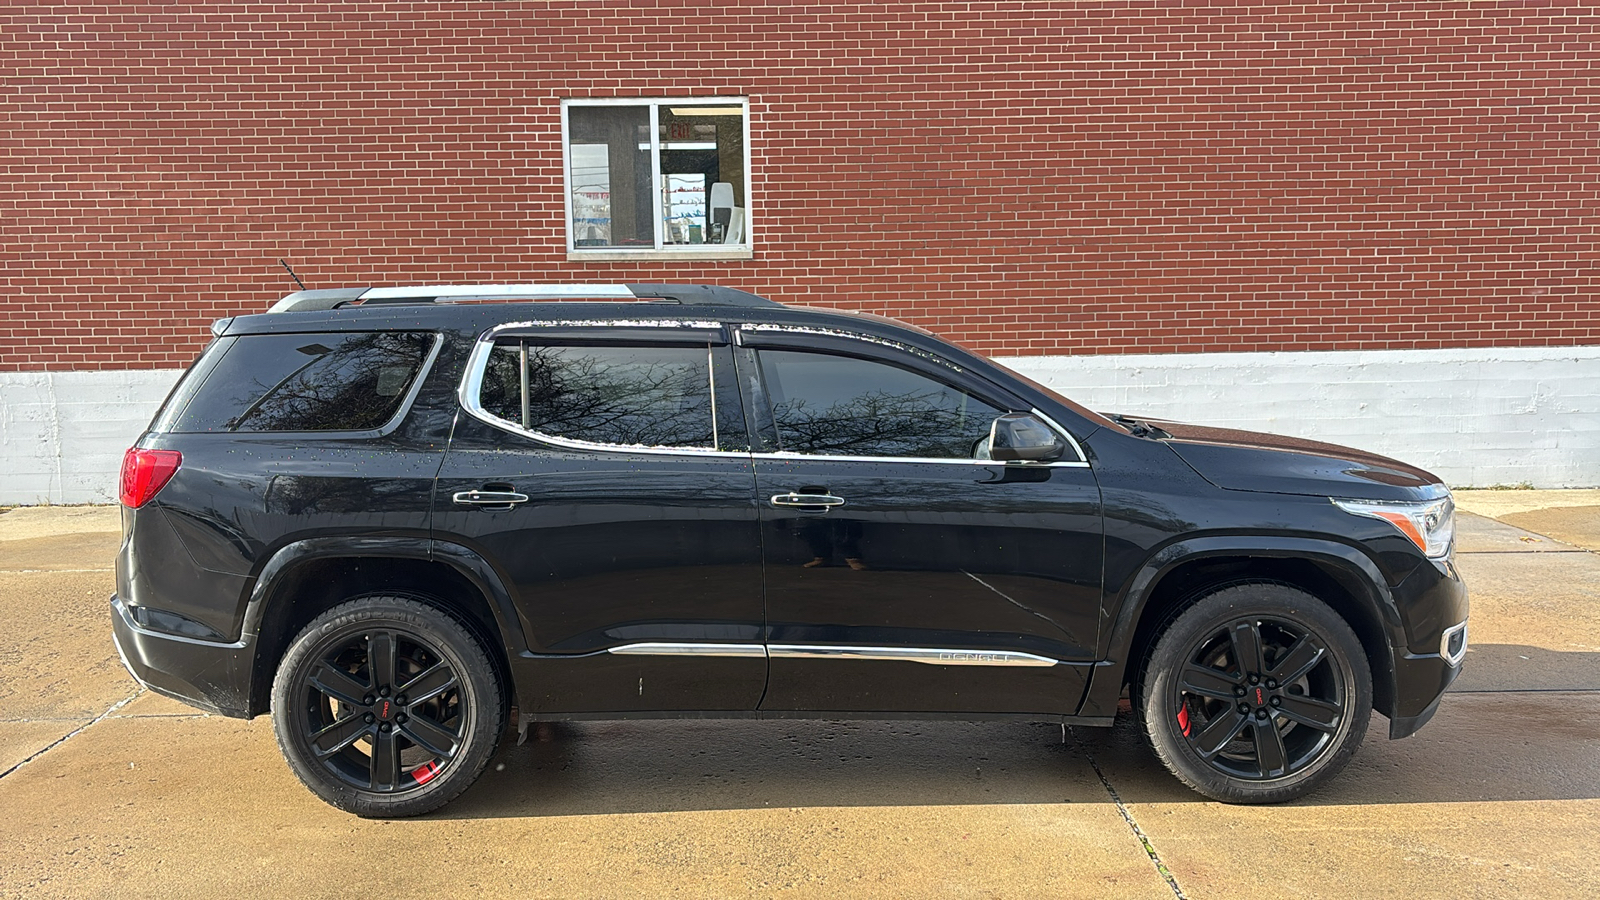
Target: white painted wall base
1475,417
62,434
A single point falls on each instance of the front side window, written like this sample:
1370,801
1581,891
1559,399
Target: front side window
657,176
632,396
842,406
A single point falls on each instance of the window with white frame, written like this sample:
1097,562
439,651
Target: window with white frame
657,176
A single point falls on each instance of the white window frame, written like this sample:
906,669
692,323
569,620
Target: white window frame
662,250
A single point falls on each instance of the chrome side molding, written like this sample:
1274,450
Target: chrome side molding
932,656
661,648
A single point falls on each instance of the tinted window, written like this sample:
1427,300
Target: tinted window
633,395
852,407
307,382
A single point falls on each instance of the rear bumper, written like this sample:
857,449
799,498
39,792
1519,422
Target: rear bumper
212,676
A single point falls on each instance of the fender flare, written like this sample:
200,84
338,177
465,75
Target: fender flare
1354,570
464,561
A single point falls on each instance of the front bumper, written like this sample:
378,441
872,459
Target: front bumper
212,676
1436,598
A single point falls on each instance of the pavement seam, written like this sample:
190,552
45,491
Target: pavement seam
1127,816
1556,690
76,731
1521,552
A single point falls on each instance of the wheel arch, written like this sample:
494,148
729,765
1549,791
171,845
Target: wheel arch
1181,573
306,578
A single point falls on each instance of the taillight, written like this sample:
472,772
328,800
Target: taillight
145,473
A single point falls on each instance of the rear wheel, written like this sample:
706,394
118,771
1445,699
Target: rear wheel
385,706
1258,693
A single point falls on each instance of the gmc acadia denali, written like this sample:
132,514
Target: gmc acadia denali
389,516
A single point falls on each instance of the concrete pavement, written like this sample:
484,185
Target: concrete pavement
109,790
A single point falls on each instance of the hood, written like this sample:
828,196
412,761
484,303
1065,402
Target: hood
1274,464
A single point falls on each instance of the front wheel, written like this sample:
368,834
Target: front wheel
1258,693
385,707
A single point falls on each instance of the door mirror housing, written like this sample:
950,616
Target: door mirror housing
1020,437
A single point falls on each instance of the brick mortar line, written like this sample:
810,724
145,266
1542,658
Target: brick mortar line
76,731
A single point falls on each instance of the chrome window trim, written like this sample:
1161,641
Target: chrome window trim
933,656
1083,458
478,362
1082,461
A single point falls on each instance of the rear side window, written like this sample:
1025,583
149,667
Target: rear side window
635,395
305,382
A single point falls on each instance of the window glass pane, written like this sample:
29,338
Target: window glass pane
650,396
704,144
611,178
501,392
703,186
307,382
683,209
840,406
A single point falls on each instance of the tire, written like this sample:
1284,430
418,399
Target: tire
386,707
1273,729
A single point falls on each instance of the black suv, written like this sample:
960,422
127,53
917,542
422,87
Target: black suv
389,518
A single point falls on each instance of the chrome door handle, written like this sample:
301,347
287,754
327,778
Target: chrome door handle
794,499
506,499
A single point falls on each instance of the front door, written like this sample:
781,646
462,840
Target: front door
905,571
606,474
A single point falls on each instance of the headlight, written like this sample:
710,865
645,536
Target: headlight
1430,525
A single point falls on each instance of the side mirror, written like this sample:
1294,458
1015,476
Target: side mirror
1019,436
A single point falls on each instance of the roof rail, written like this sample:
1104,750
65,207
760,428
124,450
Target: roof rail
320,299
701,295
685,294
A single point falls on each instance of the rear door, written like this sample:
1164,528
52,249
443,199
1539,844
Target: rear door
605,472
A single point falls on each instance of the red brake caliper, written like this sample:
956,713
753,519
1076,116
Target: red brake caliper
425,772
1183,718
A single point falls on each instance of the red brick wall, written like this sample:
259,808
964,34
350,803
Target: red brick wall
1027,177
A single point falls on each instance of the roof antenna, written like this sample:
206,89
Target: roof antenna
296,278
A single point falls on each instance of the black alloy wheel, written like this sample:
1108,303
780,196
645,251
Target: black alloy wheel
386,706
1258,693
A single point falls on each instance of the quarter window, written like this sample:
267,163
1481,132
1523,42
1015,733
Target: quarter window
841,406
304,382
657,176
635,396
